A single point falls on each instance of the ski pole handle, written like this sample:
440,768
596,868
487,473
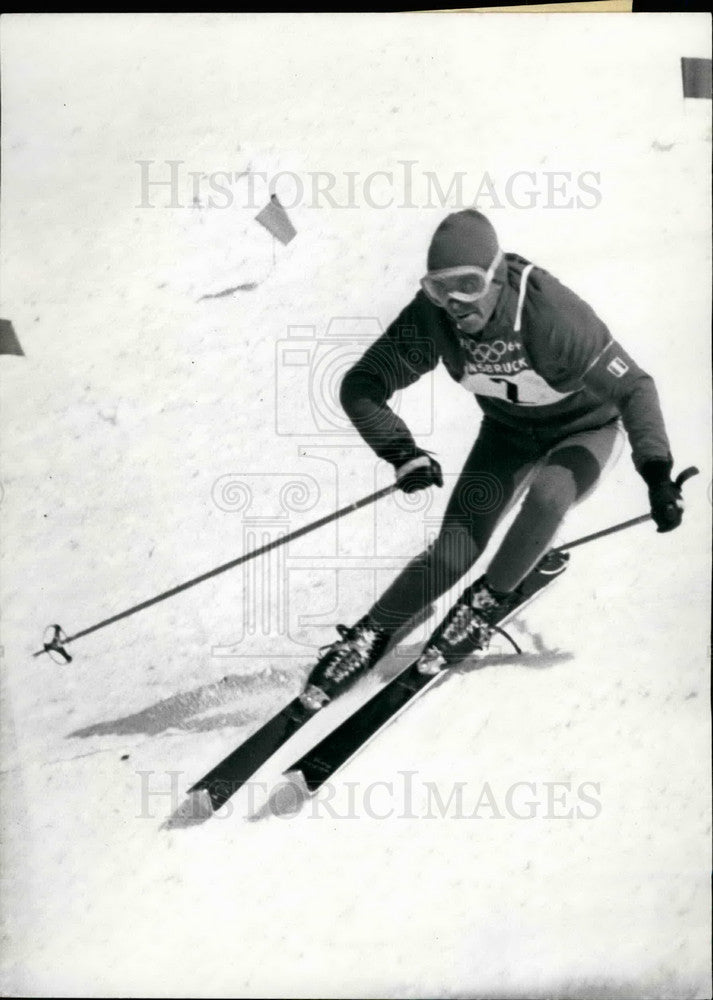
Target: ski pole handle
687,474
680,479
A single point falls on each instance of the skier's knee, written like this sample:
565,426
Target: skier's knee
578,466
554,490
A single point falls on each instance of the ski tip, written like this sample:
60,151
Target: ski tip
286,798
196,808
298,785
201,804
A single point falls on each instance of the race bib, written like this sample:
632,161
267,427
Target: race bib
523,388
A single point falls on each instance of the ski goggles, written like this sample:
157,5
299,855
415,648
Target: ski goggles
461,284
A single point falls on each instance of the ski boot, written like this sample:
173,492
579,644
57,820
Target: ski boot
356,651
467,627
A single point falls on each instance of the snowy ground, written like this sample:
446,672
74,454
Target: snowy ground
141,415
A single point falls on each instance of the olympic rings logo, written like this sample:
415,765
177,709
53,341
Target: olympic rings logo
487,353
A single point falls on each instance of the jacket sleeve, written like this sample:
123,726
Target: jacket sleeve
404,353
615,376
586,355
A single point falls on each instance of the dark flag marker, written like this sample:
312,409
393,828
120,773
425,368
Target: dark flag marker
9,344
696,77
276,220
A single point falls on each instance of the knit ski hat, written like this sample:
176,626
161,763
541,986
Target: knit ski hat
462,238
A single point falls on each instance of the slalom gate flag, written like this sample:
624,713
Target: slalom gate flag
696,77
9,344
276,220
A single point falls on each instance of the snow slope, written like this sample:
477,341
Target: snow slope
146,407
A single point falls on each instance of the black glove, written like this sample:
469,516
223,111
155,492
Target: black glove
418,472
664,496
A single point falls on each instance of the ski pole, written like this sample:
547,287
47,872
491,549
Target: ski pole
680,480
58,639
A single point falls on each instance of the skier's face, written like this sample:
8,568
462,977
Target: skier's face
472,317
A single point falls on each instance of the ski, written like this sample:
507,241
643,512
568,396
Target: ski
227,777
343,743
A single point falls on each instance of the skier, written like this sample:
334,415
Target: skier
555,389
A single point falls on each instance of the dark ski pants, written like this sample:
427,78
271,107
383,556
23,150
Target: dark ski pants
502,465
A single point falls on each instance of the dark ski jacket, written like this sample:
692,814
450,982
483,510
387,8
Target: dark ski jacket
544,364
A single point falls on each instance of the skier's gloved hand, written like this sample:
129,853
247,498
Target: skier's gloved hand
418,472
666,505
664,496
